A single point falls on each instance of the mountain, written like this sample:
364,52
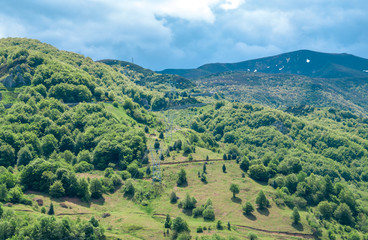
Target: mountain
302,62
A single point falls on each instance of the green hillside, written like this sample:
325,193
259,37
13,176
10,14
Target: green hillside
83,136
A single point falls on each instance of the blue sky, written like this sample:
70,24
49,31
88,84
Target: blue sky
161,34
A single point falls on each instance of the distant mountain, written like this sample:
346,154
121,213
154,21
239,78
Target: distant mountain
302,62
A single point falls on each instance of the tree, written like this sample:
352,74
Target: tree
129,188
173,197
182,178
224,156
258,172
3,192
51,209
83,189
204,168
24,156
67,143
295,216
146,129
94,221
228,226
96,188
56,189
248,208
189,202
325,209
168,221
1,210
156,144
48,144
209,213
262,201
7,155
234,188
252,236
344,215
161,135
179,225
224,168
244,164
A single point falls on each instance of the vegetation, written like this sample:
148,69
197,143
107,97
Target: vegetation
79,133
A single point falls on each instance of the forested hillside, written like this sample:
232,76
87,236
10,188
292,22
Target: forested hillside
78,140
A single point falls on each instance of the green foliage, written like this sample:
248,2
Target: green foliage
167,221
179,225
182,178
51,209
252,236
7,155
189,202
244,164
57,190
234,188
295,216
248,208
173,197
344,215
262,201
258,172
209,213
129,188
24,156
96,188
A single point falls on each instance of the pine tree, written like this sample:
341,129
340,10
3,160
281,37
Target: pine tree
262,201
204,168
224,168
168,221
248,208
51,210
295,216
228,226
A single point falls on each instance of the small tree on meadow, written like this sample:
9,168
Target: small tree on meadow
295,216
182,178
262,201
173,197
248,208
234,188
224,168
168,221
51,210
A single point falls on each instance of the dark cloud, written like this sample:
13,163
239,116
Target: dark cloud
187,33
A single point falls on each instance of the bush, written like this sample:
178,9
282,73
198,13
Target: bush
252,236
209,214
199,229
182,178
56,189
129,188
125,175
83,167
258,172
219,225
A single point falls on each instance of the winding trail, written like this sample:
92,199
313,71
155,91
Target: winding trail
284,233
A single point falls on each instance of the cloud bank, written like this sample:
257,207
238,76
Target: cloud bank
187,33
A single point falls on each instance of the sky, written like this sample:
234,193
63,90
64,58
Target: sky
160,34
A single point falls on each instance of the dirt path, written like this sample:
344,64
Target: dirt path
193,161
301,235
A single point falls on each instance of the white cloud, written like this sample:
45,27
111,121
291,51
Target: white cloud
231,4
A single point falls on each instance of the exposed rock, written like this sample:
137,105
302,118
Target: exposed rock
39,201
63,205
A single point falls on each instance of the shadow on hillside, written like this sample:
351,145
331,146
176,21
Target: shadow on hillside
188,212
298,226
99,201
261,182
263,211
236,200
183,185
250,216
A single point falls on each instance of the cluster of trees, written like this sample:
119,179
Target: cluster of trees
13,226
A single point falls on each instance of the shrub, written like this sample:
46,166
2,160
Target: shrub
199,229
252,236
209,214
248,208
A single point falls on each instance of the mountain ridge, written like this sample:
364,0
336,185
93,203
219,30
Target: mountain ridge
300,62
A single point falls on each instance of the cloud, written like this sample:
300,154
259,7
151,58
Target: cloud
231,4
186,33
